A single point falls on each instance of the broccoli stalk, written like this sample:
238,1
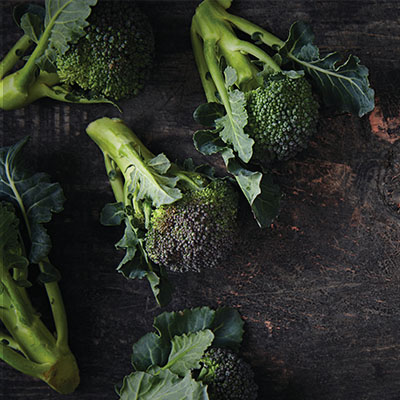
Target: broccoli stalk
259,108
27,344
176,218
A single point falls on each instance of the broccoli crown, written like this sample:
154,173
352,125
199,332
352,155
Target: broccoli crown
228,377
282,116
195,232
114,57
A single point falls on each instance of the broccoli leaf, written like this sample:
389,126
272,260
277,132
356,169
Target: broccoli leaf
343,86
10,246
227,327
153,183
150,350
187,350
170,324
135,264
231,126
30,18
208,142
65,21
163,386
207,113
112,214
34,195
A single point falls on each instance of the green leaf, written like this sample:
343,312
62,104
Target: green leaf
230,76
65,21
231,126
170,324
160,285
163,386
208,142
112,214
342,86
207,113
160,163
249,181
34,195
160,188
32,26
260,191
227,327
150,350
136,265
187,350
25,8
49,274
266,205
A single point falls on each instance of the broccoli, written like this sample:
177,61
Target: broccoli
26,343
282,116
260,105
81,55
227,376
114,57
192,355
182,219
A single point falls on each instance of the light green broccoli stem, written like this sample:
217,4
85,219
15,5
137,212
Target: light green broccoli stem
115,178
121,145
14,55
43,356
213,37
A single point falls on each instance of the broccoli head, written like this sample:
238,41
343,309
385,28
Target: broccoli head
114,57
282,116
227,375
195,232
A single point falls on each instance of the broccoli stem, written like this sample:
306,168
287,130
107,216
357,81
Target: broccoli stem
14,55
208,84
20,363
45,357
252,29
115,178
119,143
213,37
57,309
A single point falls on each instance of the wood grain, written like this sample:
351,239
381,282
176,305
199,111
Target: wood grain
319,290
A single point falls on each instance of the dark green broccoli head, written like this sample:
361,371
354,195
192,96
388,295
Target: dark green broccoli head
283,115
228,377
195,232
114,58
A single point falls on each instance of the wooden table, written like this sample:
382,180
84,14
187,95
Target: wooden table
319,291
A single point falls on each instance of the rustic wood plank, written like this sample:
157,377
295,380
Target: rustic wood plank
319,291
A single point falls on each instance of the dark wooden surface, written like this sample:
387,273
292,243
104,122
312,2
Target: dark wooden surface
319,291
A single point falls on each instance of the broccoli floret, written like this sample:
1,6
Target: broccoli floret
175,218
227,375
195,232
81,54
114,57
283,116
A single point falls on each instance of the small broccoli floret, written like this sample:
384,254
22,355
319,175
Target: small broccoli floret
283,115
227,375
196,232
114,57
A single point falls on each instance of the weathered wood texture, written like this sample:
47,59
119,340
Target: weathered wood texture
319,291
